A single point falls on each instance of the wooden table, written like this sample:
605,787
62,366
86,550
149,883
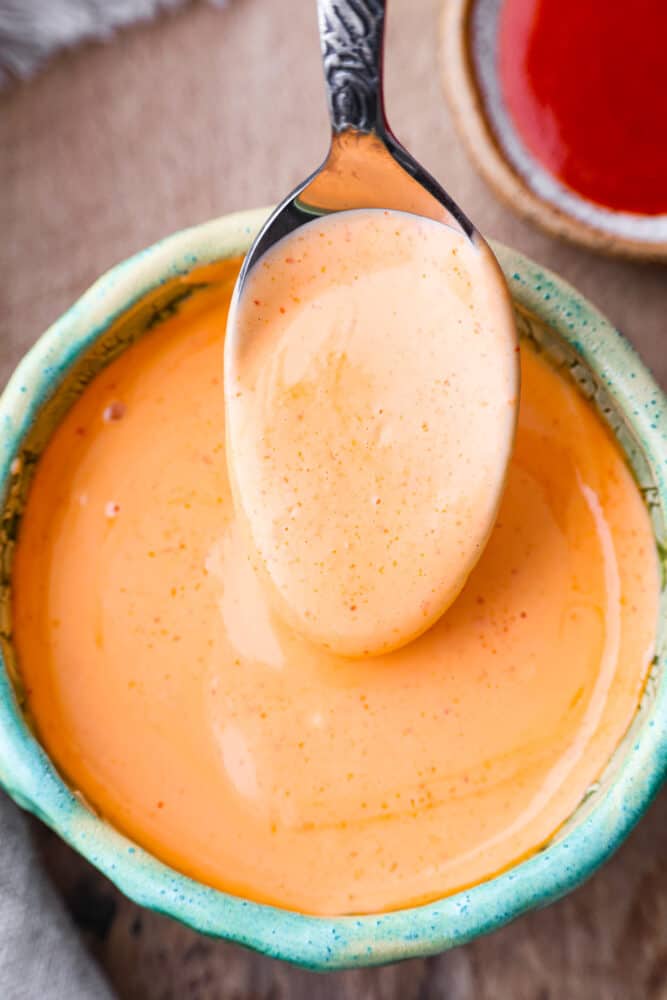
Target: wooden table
209,111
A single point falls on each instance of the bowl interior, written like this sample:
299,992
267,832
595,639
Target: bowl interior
114,313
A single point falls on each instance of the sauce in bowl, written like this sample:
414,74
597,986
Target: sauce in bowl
167,690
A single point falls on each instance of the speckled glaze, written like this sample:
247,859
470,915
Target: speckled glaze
117,309
469,44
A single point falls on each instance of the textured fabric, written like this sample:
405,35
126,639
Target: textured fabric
30,30
41,956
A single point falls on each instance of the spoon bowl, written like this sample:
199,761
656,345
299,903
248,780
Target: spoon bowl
445,347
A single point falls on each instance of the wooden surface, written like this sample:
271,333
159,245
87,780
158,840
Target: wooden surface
209,111
607,941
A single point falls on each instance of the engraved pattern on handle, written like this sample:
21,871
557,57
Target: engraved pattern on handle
351,36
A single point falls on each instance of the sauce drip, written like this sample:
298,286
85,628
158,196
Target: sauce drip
195,720
585,85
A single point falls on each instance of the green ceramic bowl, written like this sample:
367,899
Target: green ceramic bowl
117,309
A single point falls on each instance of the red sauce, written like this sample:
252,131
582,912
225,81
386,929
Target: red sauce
585,84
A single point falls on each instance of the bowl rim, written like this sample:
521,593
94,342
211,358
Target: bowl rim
339,942
466,102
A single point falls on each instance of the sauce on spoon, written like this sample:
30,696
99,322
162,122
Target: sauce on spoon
371,403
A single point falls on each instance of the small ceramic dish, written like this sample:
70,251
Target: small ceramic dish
115,311
469,59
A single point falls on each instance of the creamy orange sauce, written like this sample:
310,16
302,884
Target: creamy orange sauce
168,692
371,386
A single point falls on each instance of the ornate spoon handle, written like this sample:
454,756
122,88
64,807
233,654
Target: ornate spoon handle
351,36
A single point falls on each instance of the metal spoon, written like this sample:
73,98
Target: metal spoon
367,167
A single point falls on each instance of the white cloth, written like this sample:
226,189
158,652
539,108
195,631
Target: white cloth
41,955
31,30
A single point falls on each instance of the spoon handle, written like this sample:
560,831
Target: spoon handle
351,37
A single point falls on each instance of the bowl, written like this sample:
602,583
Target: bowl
115,311
469,59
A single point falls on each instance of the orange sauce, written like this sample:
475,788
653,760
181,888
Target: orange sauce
372,390
167,690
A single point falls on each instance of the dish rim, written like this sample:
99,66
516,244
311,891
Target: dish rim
464,96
